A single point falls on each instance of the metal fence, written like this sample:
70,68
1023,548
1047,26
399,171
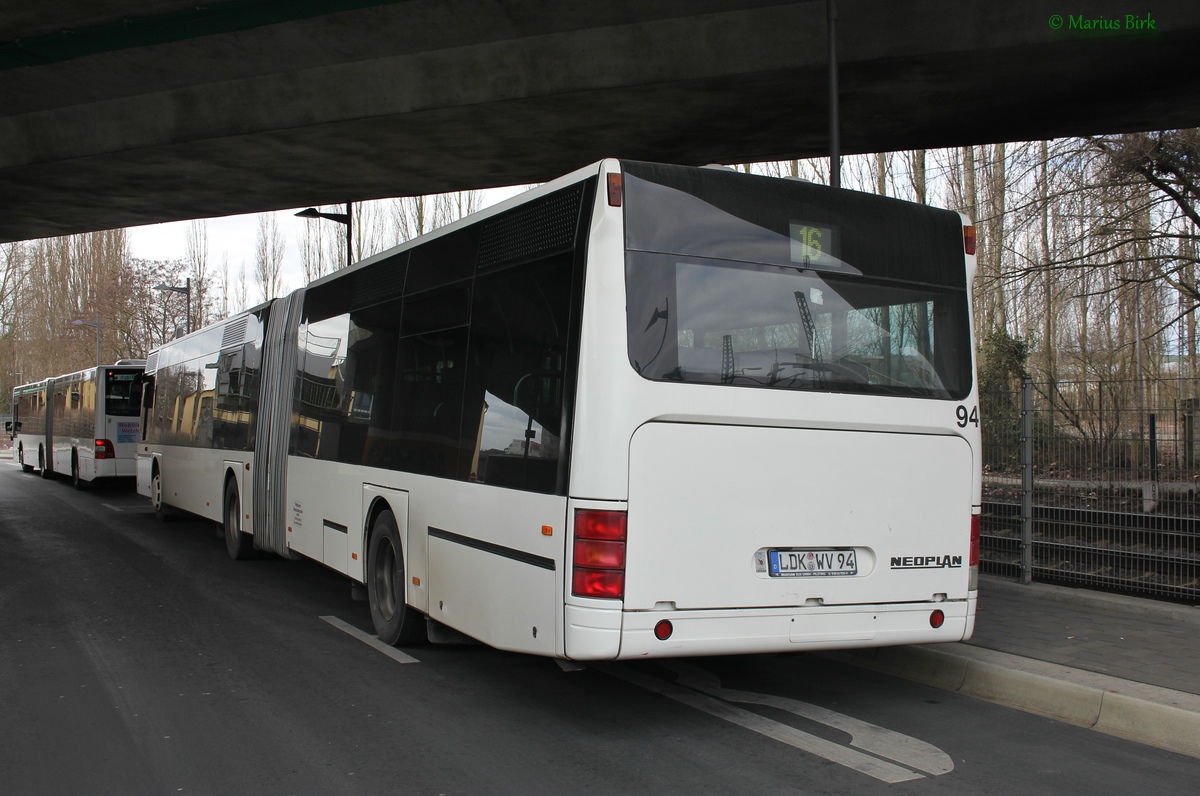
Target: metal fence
1094,483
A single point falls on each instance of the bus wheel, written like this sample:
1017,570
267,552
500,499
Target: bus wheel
42,466
240,546
395,621
21,458
162,512
76,481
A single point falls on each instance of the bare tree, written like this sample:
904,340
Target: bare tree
224,285
197,261
314,260
268,257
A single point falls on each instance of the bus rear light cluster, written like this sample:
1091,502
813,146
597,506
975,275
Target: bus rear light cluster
104,449
598,568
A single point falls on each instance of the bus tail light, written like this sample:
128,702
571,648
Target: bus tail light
598,569
973,560
969,239
104,449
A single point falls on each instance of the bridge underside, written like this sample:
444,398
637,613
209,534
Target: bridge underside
407,98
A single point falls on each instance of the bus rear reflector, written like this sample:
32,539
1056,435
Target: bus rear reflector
598,566
616,189
969,239
973,559
104,449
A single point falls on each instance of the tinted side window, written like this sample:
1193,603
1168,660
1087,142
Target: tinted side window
322,397
516,375
427,406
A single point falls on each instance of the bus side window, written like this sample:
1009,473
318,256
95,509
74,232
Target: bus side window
147,404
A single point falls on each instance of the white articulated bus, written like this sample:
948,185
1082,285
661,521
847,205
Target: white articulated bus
640,411
84,424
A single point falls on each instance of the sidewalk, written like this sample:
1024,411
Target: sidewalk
1123,665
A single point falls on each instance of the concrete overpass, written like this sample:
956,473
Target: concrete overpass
125,112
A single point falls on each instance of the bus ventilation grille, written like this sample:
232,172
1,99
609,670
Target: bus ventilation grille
379,283
234,333
531,231
152,362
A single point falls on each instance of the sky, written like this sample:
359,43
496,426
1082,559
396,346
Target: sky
229,237
232,238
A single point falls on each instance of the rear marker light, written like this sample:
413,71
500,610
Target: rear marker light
973,556
598,567
616,190
936,619
969,240
663,630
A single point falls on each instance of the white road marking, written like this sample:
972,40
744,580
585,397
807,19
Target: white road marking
370,641
834,752
139,509
903,749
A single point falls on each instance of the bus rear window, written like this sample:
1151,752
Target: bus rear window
752,325
123,392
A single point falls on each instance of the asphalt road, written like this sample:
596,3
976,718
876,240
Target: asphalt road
136,658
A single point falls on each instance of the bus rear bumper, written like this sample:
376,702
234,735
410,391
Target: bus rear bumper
115,468
593,634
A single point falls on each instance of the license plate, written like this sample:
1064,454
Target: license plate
823,562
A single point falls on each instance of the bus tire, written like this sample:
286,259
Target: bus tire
162,512
240,546
43,465
76,481
395,621
21,458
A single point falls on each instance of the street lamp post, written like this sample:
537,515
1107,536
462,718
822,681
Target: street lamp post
95,325
186,290
342,218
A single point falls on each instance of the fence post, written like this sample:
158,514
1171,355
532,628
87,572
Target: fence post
1026,481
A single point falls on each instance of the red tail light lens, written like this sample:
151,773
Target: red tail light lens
593,524
937,619
602,583
969,240
104,449
592,553
599,554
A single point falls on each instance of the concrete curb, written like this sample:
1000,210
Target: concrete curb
1144,713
